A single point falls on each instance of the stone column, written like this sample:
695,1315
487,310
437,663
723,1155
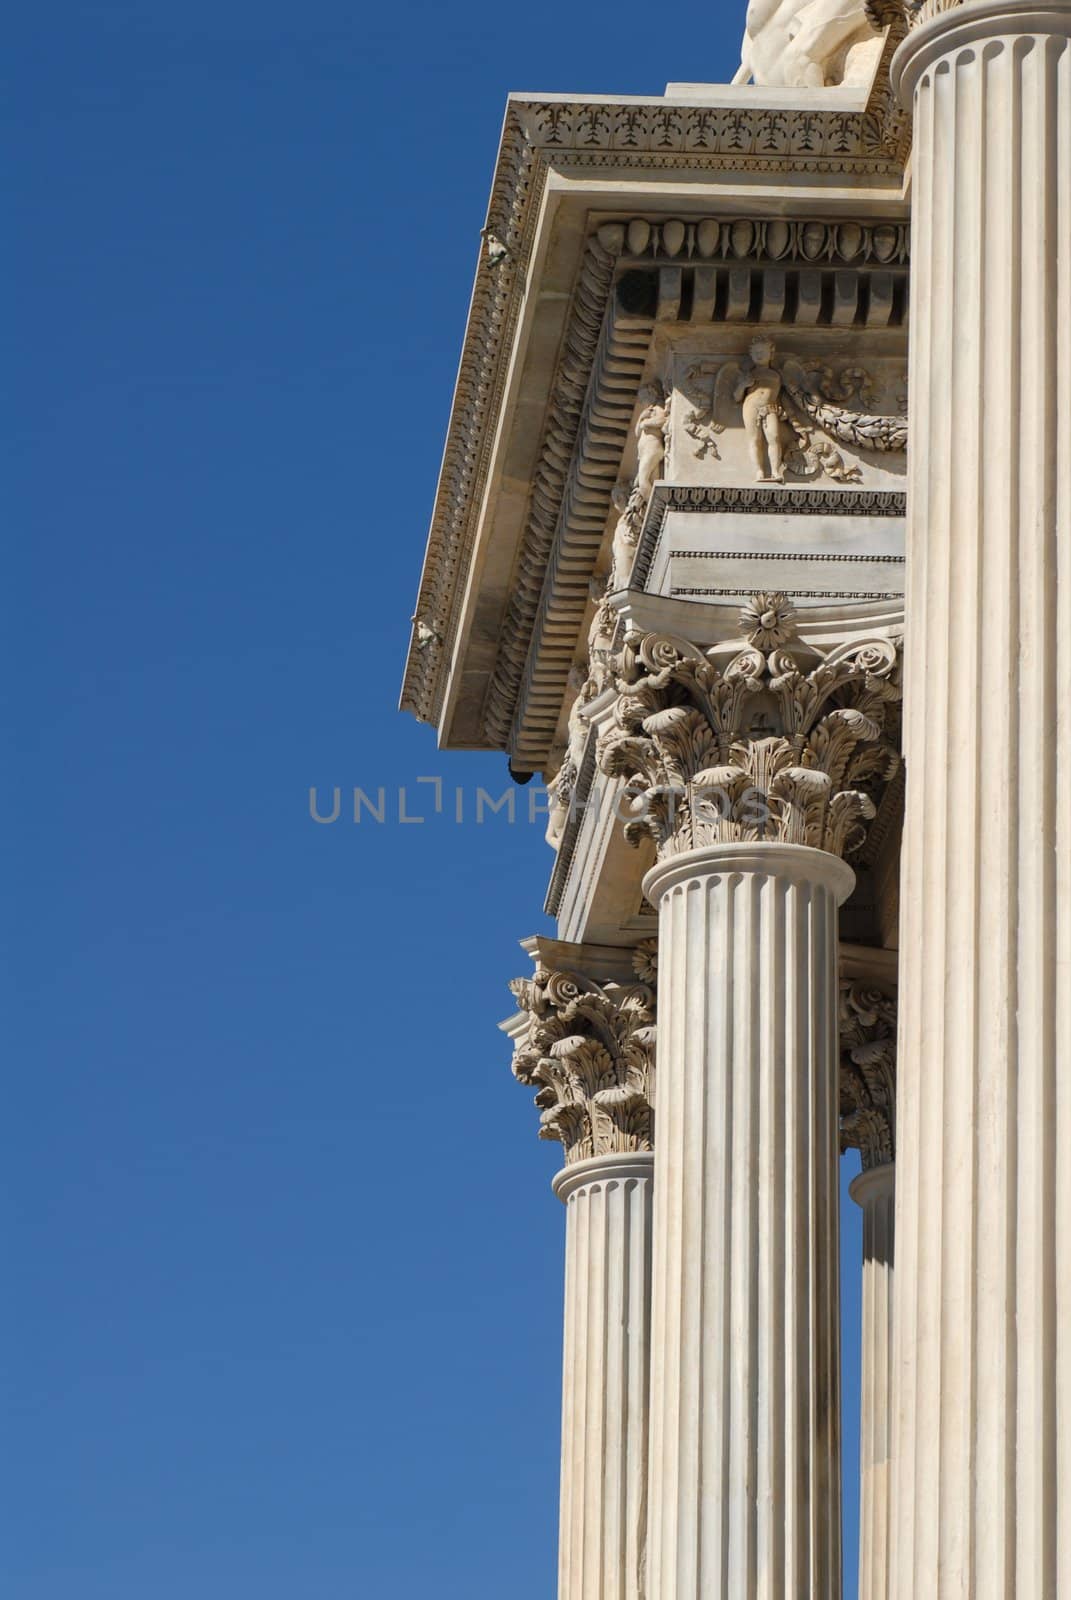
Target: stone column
874,1191
588,1048
602,1541
867,1123
751,825
982,1455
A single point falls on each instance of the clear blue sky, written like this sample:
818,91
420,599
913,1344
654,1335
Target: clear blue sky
282,1265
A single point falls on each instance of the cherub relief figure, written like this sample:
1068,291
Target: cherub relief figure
794,414
650,439
630,500
562,786
759,393
626,534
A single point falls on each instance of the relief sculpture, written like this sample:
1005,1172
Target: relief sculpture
794,414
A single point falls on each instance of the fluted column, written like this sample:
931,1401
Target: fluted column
874,1191
868,1124
745,1447
982,1457
744,1485
602,1539
588,1048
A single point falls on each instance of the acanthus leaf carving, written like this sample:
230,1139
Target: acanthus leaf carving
588,1049
769,747
904,14
868,1072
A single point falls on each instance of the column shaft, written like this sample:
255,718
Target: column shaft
874,1193
982,1457
602,1542
745,1460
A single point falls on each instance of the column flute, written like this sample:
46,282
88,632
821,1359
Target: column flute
868,1124
982,1455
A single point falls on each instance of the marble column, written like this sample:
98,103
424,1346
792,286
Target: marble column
602,1539
744,1485
588,1048
868,1124
874,1191
745,1447
982,1326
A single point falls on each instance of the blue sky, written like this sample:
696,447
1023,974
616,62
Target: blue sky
283,1264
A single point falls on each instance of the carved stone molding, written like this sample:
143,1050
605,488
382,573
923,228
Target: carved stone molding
758,500
579,795
775,239
868,1072
496,300
566,135
750,138
590,415
780,746
589,1050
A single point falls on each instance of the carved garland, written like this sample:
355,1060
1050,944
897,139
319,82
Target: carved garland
763,749
589,1050
857,429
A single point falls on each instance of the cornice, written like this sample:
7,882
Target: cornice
493,312
588,422
734,133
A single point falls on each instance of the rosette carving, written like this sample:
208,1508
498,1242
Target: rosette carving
589,1051
868,1073
766,747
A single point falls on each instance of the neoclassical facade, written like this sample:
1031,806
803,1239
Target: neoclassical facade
753,542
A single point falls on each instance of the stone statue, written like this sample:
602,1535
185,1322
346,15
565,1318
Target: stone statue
650,440
626,534
563,785
759,391
630,500
807,45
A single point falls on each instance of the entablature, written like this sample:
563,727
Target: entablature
609,218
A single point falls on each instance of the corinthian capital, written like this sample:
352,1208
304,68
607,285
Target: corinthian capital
868,1072
772,744
905,14
589,1050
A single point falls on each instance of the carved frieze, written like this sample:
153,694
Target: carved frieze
777,418
589,1050
868,1072
770,744
745,137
